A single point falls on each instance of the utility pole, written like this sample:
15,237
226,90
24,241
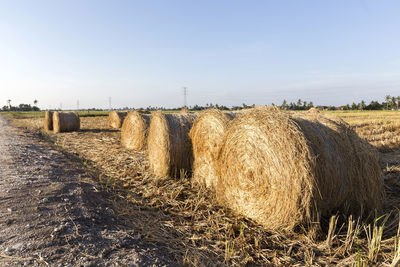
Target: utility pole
109,102
185,97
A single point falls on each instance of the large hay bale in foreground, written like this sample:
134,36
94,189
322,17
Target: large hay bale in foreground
48,121
207,133
168,144
116,118
134,130
66,122
285,170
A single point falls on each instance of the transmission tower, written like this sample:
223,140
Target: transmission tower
185,91
77,105
109,102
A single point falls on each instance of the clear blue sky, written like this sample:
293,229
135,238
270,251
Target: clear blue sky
142,53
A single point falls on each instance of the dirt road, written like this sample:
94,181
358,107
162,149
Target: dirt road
53,213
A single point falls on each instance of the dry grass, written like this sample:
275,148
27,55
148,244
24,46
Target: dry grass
199,232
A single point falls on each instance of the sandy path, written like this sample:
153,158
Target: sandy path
51,212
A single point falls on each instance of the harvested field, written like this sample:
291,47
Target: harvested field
380,128
200,232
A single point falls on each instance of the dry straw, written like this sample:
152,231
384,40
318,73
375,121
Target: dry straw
134,130
169,146
48,121
65,122
207,133
116,118
285,170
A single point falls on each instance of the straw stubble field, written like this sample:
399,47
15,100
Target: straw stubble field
198,231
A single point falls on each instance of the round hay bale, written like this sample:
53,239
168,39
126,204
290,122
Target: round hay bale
207,133
134,130
65,122
168,144
313,110
116,118
48,121
285,170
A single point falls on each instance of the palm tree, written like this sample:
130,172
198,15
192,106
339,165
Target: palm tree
387,98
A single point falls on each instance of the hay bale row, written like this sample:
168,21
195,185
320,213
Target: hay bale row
284,170
61,121
116,119
134,130
279,169
169,146
65,122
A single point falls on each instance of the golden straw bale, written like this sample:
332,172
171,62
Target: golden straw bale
313,110
285,170
116,118
65,122
48,121
207,133
168,144
134,130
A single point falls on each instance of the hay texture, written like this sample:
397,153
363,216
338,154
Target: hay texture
134,130
287,170
116,119
168,144
207,133
48,121
65,122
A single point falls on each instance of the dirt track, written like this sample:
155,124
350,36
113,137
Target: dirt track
52,212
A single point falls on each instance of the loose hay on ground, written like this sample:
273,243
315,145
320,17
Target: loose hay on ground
206,134
134,130
116,118
168,144
287,170
65,122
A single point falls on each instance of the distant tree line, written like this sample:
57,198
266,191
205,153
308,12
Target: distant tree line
21,107
390,103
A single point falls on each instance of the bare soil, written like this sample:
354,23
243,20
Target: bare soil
53,213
